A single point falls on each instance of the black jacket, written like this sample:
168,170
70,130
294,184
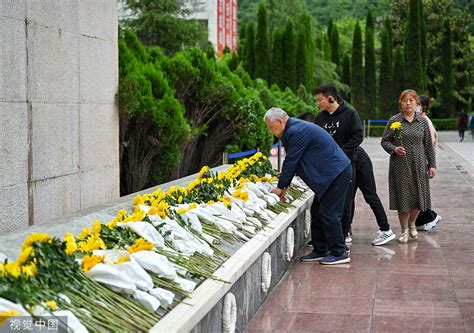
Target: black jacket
345,127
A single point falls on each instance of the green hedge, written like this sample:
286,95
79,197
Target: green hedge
444,124
441,124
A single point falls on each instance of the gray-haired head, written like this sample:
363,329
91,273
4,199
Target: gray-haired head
275,113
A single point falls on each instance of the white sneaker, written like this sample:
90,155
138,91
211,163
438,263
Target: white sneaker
430,225
383,237
348,239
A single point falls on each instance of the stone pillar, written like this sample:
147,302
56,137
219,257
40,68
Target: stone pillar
58,113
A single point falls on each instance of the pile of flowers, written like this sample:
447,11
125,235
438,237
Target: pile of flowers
128,272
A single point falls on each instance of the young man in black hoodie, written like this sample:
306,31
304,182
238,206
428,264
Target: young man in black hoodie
344,125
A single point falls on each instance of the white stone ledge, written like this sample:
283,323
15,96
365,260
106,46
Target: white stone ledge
184,317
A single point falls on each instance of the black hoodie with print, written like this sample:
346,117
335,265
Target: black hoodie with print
345,127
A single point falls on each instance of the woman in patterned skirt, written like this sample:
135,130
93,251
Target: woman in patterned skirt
407,139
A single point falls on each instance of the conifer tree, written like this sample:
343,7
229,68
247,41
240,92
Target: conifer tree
388,26
262,49
334,42
346,74
277,63
369,74
301,60
326,47
357,73
413,64
385,78
329,29
398,73
423,41
249,48
447,81
289,55
310,48
241,42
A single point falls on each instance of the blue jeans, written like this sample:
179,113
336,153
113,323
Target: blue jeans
326,215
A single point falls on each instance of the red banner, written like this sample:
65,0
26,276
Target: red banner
220,27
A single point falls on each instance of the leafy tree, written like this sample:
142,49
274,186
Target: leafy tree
278,69
447,84
163,23
370,75
262,49
323,10
152,123
249,47
357,73
310,48
289,55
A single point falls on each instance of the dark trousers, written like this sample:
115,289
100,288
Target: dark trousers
349,204
326,214
365,181
461,130
425,217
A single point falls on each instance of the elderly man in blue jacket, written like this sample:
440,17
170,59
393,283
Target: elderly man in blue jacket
322,165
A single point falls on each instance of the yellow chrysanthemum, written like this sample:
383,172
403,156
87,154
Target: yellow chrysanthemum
35,237
88,262
12,269
180,199
192,205
84,233
96,227
122,259
138,200
4,315
204,169
210,202
29,270
24,255
93,242
71,245
181,211
139,245
395,126
52,305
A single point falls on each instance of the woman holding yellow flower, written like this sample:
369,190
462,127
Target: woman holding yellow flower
407,139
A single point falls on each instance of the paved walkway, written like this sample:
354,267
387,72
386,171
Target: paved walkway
423,286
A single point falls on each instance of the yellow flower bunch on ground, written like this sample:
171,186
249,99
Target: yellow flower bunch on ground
88,262
52,305
122,259
35,237
29,270
4,315
71,245
93,242
242,195
140,245
24,255
204,169
11,268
